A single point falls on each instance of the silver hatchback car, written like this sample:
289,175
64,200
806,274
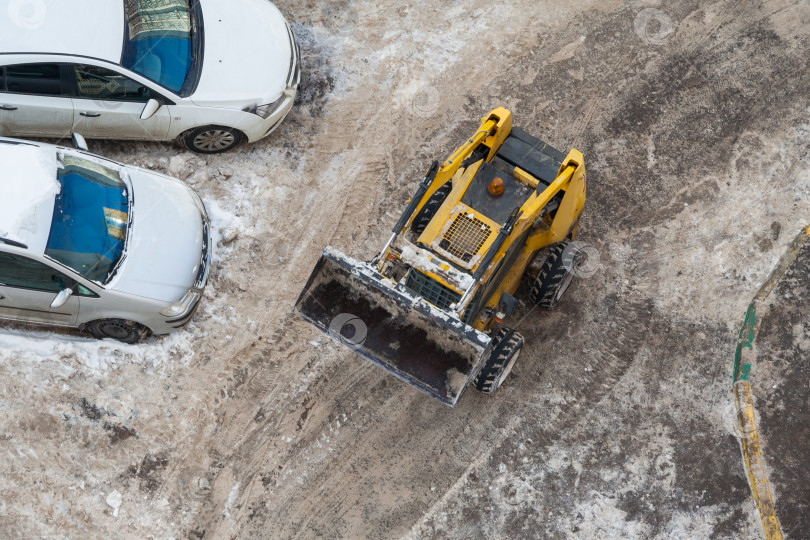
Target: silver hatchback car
90,243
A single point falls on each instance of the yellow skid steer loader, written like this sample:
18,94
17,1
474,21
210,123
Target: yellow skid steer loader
429,307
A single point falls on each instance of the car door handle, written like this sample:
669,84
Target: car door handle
90,114
8,108
2,297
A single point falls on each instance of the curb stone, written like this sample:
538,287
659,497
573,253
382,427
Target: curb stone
743,360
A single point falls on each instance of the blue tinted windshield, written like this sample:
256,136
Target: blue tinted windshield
159,40
89,226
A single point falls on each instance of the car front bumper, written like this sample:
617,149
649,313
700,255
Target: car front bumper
263,127
269,125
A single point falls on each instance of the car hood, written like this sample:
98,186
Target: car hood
247,54
164,248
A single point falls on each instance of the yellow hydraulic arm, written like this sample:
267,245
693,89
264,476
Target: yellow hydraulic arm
571,179
495,128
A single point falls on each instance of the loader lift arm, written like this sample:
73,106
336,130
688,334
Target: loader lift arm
495,127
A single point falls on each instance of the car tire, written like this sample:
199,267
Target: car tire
506,348
212,139
422,219
119,330
555,276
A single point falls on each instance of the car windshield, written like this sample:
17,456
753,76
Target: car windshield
90,217
159,41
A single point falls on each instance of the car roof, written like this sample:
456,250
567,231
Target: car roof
29,188
79,27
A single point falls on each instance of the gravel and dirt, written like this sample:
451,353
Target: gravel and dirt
618,421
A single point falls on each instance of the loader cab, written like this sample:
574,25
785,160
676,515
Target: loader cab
531,161
527,152
497,207
466,226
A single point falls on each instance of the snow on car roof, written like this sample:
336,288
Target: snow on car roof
28,186
78,27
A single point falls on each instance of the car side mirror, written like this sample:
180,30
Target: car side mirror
150,109
61,298
78,142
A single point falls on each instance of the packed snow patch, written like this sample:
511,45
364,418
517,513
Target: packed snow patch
225,227
89,355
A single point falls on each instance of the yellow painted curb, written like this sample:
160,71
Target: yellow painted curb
754,463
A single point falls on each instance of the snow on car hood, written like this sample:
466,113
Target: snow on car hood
247,54
29,188
164,248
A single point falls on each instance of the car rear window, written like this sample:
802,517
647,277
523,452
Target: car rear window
2,79
158,41
42,79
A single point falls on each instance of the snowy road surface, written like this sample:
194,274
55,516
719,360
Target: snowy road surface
616,423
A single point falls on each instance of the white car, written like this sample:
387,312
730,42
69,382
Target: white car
208,73
87,242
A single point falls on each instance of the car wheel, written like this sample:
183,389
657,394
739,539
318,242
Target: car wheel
555,276
506,348
119,330
422,219
212,139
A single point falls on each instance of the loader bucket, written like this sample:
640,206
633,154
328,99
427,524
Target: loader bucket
392,326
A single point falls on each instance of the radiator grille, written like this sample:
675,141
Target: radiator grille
465,237
431,290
